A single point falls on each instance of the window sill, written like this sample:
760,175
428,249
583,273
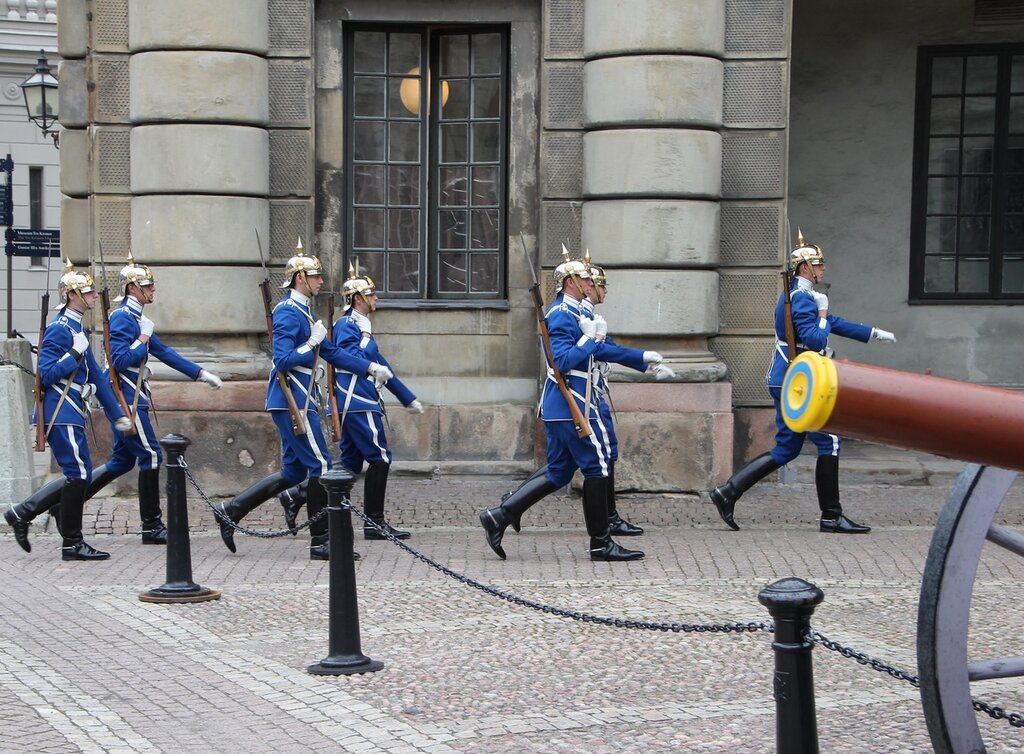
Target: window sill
426,305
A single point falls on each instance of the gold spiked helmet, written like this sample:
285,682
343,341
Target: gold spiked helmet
133,272
357,285
805,252
73,280
300,264
571,268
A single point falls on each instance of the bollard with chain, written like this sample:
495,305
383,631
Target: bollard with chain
791,603
345,655
179,586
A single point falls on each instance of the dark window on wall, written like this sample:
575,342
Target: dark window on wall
967,234
35,206
426,156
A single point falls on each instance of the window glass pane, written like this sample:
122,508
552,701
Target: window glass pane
404,96
972,275
403,229
978,154
938,274
486,53
451,231
404,145
1014,240
945,116
485,142
1015,154
368,52
484,229
981,74
452,187
486,98
944,156
979,115
940,235
403,52
368,184
372,265
403,185
1016,119
368,97
403,272
451,277
484,273
976,194
457,105
453,142
368,230
1015,193
947,75
1017,75
454,55
1013,275
368,141
485,186
942,196
974,238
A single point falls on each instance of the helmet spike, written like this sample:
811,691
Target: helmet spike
565,253
800,237
68,267
351,269
586,257
131,259
298,246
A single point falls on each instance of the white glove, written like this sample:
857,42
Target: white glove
415,407
602,326
821,300
317,333
380,373
210,379
146,325
589,327
661,371
882,336
122,424
652,357
80,343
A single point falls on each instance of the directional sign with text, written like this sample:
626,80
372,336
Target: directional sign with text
34,242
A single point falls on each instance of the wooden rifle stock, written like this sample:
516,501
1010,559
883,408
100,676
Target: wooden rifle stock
332,398
115,379
581,425
787,314
298,425
40,421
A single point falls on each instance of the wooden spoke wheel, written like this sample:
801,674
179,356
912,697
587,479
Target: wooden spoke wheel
945,670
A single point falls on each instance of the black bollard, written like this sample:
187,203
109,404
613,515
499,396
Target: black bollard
345,655
791,603
179,586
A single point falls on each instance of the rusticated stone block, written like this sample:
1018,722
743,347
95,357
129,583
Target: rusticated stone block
200,159
198,24
193,228
644,232
667,162
612,27
676,302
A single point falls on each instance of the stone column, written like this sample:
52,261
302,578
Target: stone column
651,182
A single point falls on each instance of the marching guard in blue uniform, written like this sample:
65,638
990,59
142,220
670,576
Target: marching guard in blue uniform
67,368
613,353
578,340
363,439
812,324
299,343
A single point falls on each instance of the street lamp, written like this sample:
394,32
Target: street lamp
41,101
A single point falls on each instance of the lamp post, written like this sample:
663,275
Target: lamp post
41,100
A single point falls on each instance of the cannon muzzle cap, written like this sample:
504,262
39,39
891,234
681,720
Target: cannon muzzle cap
809,392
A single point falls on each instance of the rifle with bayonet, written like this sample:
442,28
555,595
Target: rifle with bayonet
332,397
298,425
581,425
787,311
115,378
40,422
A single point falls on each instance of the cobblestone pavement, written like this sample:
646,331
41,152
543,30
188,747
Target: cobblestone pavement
86,666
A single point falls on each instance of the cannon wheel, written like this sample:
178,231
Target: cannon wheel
944,669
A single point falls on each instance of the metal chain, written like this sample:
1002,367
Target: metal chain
998,713
250,532
8,363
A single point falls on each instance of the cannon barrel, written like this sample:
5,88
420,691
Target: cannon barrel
948,418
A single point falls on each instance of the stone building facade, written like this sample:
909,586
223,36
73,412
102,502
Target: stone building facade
656,133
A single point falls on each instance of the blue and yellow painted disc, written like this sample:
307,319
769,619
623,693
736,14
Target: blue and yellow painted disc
809,392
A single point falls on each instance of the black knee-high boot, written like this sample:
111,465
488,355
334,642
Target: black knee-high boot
595,513
292,500
826,482
375,487
542,471
72,499
153,530
246,501
20,516
496,520
725,497
617,525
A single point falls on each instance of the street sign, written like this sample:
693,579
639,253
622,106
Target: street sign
34,242
4,209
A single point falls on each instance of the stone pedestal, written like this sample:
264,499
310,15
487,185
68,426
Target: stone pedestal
16,460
